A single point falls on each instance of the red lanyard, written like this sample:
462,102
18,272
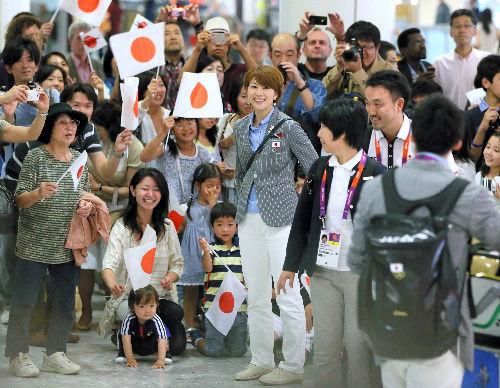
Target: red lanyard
406,148
350,192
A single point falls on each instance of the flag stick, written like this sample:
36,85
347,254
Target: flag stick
157,75
212,250
59,180
55,14
90,62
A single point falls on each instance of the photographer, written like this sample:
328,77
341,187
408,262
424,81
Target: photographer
357,59
302,98
216,40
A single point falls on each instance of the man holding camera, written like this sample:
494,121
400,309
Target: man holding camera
357,59
302,98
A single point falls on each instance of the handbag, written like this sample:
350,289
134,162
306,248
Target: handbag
8,210
108,318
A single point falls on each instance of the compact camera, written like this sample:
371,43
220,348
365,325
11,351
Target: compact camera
33,93
218,37
283,71
352,52
178,13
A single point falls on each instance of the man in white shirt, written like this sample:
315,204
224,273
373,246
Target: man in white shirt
455,71
386,94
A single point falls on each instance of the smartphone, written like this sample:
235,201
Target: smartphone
218,37
33,93
318,20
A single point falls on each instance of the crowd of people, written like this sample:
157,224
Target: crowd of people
283,191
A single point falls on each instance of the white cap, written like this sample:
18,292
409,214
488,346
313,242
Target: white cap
217,24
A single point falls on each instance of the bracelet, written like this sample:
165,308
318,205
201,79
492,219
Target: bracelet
42,114
118,156
303,87
476,145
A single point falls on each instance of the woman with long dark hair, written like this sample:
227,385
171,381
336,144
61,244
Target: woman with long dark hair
147,205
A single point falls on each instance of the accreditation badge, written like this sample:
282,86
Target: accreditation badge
329,249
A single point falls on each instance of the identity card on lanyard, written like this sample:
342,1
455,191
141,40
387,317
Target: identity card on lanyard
330,240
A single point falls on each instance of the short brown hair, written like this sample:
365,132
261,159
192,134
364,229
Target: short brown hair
20,23
268,76
143,295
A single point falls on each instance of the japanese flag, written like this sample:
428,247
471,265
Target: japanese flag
199,96
139,50
306,283
130,103
93,40
76,169
140,22
139,260
228,300
90,11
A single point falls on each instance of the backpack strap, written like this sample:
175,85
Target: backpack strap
440,204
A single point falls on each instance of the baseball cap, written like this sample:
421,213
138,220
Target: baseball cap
217,24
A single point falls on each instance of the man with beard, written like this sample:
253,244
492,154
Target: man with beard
411,45
316,48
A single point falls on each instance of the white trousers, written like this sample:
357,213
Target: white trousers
263,250
444,371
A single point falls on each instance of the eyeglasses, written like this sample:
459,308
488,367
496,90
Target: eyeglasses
463,27
68,123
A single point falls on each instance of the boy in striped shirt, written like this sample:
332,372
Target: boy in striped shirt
215,344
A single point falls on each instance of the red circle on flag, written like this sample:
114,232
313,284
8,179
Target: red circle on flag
226,302
90,41
143,49
79,172
88,5
136,106
199,96
148,260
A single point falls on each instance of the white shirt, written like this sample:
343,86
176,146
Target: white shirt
397,146
456,74
336,201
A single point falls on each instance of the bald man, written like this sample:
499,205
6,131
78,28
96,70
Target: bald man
302,95
316,48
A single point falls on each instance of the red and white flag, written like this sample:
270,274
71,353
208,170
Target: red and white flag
139,260
139,50
90,11
228,300
93,40
306,283
77,168
130,103
199,96
140,22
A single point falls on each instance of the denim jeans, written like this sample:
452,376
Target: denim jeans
8,261
234,344
62,282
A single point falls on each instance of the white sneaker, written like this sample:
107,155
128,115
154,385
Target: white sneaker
4,317
168,361
280,376
251,372
22,366
58,362
120,360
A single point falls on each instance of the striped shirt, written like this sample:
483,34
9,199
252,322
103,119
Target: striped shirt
152,327
44,226
232,258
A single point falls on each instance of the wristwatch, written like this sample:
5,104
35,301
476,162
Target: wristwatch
306,85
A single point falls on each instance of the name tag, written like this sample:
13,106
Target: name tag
329,249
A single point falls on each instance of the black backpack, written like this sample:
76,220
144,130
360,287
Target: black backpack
409,294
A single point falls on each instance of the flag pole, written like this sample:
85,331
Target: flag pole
59,180
157,75
90,62
55,13
212,250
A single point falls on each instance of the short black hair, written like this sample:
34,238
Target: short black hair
222,210
204,61
108,115
46,71
70,90
463,12
14,50
234,92
404,37
259,34
143,295
46,57
107,67
144,81
487,68
425,87
363,30
384,48
437,125
392,80
345,116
